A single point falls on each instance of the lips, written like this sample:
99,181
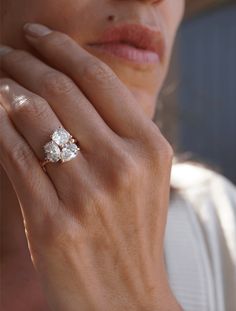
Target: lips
132,42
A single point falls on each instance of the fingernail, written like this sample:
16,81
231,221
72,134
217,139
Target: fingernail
36,30
4,49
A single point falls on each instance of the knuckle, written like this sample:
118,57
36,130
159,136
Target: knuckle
33,107
54,83
124,172
99,72
166,150
128,163
162,152
169,150
158,143
158,146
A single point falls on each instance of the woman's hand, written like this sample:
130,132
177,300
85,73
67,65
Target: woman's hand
94,225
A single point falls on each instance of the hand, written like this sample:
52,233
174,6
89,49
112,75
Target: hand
94,225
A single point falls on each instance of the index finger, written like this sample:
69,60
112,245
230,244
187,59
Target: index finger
102,87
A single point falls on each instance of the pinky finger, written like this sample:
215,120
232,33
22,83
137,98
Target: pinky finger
32,186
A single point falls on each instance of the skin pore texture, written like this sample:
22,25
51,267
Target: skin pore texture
84,21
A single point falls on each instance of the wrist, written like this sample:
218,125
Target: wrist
166,303
160,301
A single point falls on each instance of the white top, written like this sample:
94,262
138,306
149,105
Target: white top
200,241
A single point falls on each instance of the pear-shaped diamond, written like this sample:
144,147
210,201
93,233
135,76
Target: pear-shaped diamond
52,152
61,136
69,152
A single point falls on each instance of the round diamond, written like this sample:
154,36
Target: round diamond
69,152
61,137
52,152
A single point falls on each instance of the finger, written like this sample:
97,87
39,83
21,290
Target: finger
102,87
35,121
30,113
32,186
70,105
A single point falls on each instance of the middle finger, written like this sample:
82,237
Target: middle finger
70,105
35,121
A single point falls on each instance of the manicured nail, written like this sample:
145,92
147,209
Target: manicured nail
36,30
4,49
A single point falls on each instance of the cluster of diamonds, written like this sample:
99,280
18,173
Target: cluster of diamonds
62,147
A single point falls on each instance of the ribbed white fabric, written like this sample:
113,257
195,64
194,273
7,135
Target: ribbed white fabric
200,240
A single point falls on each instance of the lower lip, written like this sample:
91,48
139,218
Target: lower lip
128,52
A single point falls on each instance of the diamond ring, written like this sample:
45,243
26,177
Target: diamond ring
61,148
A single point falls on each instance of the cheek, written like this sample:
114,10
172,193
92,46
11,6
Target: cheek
172,13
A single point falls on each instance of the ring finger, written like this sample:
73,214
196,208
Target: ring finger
64,97
35,121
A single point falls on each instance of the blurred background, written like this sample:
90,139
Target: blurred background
197,109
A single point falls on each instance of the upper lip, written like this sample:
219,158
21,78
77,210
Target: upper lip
137,35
